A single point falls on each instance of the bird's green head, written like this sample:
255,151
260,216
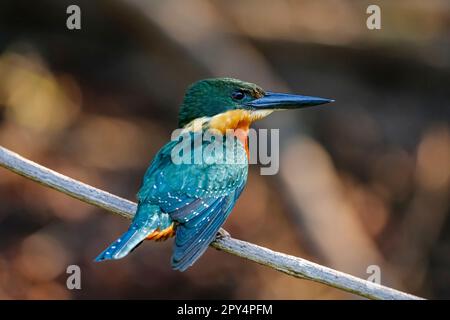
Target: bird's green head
211,97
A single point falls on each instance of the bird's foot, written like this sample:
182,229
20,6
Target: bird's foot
222,233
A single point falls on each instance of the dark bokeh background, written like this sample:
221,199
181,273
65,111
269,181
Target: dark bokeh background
362,182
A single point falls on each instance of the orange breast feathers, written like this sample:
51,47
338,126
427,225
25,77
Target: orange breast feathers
237,120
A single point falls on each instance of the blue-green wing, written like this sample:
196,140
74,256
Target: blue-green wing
199,196
194,236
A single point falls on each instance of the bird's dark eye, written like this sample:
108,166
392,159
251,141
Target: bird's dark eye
238,95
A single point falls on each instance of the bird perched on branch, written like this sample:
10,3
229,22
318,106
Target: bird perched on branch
192,199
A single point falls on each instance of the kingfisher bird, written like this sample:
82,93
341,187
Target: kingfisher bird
192,200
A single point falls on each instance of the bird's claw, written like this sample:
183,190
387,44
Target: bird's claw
222,233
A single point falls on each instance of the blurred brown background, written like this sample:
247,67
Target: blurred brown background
362,182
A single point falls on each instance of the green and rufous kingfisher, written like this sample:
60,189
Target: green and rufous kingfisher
191,201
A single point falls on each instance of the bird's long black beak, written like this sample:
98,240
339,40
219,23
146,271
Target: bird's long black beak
272,100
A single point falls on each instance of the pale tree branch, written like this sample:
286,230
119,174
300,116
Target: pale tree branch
294,266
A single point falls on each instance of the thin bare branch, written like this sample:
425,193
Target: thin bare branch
294,266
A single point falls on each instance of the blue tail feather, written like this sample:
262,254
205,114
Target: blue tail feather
148,218
123,245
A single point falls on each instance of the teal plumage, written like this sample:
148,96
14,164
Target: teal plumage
194,198
198,197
